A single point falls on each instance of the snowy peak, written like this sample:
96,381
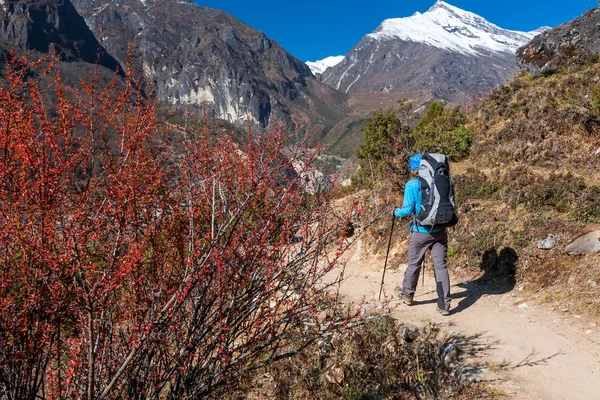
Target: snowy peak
450,28
318,67
540,30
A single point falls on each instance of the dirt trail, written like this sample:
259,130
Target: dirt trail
539,353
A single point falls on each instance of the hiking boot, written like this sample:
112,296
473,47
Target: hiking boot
406,299
443,312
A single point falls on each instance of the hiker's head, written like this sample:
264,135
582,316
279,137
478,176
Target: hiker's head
414,164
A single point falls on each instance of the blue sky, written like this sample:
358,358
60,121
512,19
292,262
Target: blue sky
314,29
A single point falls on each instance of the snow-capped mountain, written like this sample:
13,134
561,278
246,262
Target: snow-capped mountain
452,53
318,67
450,28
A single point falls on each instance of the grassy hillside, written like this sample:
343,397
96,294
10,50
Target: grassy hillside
534,171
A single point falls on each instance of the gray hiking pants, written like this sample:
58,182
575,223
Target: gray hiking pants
418,245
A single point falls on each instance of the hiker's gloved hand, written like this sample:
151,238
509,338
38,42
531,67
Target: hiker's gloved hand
396,212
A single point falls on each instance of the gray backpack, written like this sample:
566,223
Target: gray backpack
438,208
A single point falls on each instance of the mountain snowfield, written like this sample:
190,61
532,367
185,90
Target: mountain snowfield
318,67
450,28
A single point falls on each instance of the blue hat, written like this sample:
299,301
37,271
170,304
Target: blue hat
415,162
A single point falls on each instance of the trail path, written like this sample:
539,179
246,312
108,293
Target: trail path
539,353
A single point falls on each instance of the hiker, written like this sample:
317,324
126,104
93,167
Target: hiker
423,238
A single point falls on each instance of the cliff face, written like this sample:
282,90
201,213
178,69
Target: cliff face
571,43
50,25
196,55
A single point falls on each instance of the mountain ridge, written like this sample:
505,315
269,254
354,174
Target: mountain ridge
196,56
468,53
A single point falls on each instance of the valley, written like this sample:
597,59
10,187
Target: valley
170,231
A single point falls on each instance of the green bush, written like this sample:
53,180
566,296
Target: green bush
383,153
389,141
443,131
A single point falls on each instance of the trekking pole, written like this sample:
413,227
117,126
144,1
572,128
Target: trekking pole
386,257
423,269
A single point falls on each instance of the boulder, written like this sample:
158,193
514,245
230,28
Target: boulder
548,243
574,42
587,244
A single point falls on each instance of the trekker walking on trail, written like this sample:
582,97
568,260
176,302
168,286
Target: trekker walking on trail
423,238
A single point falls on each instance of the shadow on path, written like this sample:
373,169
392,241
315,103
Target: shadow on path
533,359
476,346
499,270
422,302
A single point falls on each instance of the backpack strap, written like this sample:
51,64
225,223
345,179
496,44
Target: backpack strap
415,222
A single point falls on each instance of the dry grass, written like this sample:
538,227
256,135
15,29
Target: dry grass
533,171
382,359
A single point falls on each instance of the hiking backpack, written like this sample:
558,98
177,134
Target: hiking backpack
438,208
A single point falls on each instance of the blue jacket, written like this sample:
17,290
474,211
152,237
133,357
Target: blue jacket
412,203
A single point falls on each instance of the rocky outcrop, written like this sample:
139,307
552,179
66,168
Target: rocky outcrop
587,244
195,55
571,43
50,25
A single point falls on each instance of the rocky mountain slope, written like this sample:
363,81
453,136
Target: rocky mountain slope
446,51
573,42
194,55
50,25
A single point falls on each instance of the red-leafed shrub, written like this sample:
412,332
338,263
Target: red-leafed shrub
142,261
